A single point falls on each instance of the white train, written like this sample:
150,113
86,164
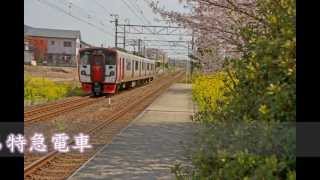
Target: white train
106,70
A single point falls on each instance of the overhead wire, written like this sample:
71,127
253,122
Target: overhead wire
58,8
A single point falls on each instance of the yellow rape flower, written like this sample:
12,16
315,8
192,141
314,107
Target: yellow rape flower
263,109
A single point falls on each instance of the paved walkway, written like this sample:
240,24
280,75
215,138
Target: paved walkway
150,145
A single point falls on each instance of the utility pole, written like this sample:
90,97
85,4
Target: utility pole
124,37
193,48
139,47
116,23
127,21
134,46
192,41
163,64
188,61
70,6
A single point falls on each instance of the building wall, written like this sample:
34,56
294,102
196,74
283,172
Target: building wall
52,51
28,56
57,46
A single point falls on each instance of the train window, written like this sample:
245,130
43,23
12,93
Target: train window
136,65
84,58
128,65
110,58
98,60
148,66
142,66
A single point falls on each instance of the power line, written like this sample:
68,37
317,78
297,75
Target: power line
134,2
83,11
73,16
73,6
148,2
102,6
130,8
136,6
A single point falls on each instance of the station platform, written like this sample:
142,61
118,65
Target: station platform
151,144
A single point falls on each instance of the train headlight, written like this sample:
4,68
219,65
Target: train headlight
112,73
83,73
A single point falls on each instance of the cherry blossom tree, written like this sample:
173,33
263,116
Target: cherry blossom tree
219,25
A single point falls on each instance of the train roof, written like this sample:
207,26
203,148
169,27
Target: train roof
119,52
134,56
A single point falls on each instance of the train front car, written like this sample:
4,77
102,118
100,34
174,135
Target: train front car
97,70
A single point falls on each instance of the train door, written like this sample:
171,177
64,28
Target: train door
97,68
119,71
133,67
143,69
140,69
122,69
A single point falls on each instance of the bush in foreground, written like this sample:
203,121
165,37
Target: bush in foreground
42,89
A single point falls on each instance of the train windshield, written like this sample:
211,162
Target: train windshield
86,57
110,58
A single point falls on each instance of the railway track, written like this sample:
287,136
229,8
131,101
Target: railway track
85,118
45,112
57,165
52,110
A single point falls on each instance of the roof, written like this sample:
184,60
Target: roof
54,33
87,44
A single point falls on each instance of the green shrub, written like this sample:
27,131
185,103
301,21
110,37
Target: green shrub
76,91
261,89
227,150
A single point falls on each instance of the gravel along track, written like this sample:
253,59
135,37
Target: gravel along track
56,109
101,120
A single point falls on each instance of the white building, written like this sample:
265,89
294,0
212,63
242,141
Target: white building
28,53
62,46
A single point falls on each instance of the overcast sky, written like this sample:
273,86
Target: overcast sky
39,14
